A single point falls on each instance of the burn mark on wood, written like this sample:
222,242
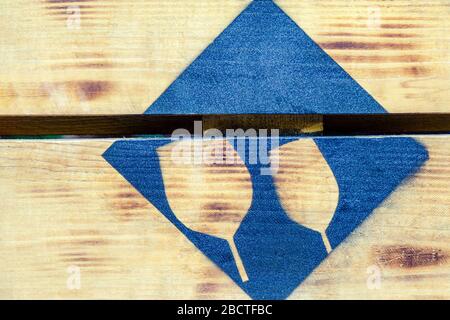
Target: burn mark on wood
225,171
64,7
218,206
369,35
364,18
205,288
94,65
222,216
91,90
398,35
50,193
83,90
417,71
128,195
409,257
89,262
410,72
385,25
401,25
369,59
81,260
91,242
7,90
211,272
63,10
50,190
129,201
349,45
130,205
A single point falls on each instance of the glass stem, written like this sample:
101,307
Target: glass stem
238,260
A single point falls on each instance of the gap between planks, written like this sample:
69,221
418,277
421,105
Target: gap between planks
131,125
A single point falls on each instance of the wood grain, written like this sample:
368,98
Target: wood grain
63,205
397,50
123,54
119,59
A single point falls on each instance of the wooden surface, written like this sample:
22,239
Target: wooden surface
63,205
121,55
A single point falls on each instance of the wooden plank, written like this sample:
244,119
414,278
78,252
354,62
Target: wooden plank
64,206
120,56
397,51
116,60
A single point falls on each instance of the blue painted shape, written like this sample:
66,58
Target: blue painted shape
367,172
264,63
279,254
138,162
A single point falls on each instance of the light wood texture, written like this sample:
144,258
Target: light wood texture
212,210
122,55
313,201
119,59
63,205
399,51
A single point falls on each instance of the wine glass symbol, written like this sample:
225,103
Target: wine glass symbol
210,196
306,186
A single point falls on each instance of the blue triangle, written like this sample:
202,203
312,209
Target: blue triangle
264,63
